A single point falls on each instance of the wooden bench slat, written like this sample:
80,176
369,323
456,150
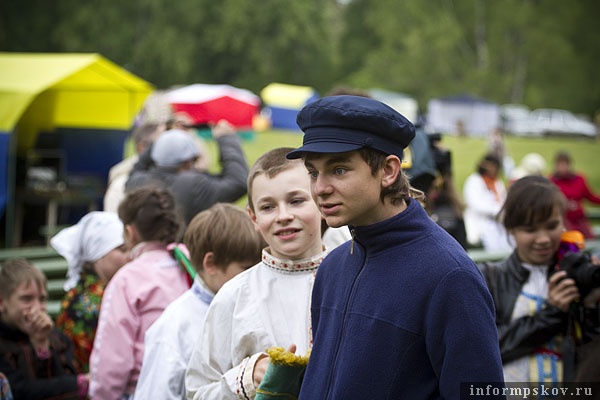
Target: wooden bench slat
53,308
53,268
29,253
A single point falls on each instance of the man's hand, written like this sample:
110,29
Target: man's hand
223,128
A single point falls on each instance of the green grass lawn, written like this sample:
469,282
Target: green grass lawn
586,154
466,151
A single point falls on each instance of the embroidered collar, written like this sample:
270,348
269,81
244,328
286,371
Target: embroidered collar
292,266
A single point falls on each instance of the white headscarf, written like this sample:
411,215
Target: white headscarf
94,236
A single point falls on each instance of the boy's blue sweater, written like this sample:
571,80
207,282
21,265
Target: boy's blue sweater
403,313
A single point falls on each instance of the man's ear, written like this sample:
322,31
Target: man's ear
391,169
208,263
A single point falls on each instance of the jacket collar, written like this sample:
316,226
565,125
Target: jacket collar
520,273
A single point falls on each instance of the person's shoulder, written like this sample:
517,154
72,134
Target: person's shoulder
182,306
190,176
145,177
129,275
236,288
176,314
60,342
123,167
473,177
580,176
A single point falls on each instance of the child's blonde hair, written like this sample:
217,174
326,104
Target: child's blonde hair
271,163
16,271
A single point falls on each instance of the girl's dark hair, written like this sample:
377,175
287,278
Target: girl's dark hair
401,188
530,201
152,211
562,156
488,158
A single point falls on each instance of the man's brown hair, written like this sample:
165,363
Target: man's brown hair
228,232
397,191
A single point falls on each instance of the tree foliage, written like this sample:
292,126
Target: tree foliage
541,53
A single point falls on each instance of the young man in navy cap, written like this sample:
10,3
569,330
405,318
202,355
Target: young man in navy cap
400,311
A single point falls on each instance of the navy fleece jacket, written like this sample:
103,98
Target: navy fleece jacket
403,313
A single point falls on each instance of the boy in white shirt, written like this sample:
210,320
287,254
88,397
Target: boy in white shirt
216,255
269,304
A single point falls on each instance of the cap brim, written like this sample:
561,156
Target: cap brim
322,147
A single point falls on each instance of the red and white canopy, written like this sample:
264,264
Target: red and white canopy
211,103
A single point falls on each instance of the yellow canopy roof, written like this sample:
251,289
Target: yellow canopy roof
40,91
287,96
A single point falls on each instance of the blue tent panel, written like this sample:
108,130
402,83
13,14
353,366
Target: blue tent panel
4,147
89,152
283,118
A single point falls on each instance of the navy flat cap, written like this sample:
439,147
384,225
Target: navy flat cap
337,124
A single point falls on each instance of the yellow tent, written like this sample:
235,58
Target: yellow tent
43,93
39,92
283,102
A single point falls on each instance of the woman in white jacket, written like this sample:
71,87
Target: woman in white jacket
484,193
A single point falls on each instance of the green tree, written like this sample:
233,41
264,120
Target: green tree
510,51
541,53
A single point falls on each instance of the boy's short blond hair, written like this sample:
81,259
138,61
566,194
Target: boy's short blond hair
228,232
16,271
271,163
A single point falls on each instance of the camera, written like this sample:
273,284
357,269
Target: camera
577,263
579,267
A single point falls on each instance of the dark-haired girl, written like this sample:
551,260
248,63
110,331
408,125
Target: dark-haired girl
541,315
138,293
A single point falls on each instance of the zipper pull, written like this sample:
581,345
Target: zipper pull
352,244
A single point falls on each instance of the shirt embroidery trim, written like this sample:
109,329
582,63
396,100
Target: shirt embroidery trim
292,266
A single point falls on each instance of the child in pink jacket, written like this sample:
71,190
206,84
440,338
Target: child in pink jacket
137,294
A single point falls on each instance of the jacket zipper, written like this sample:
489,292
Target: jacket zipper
341,333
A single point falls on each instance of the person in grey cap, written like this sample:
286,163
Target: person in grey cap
400,311
173,156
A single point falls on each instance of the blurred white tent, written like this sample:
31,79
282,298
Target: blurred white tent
462,114
400,102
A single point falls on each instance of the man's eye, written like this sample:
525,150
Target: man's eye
340,171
